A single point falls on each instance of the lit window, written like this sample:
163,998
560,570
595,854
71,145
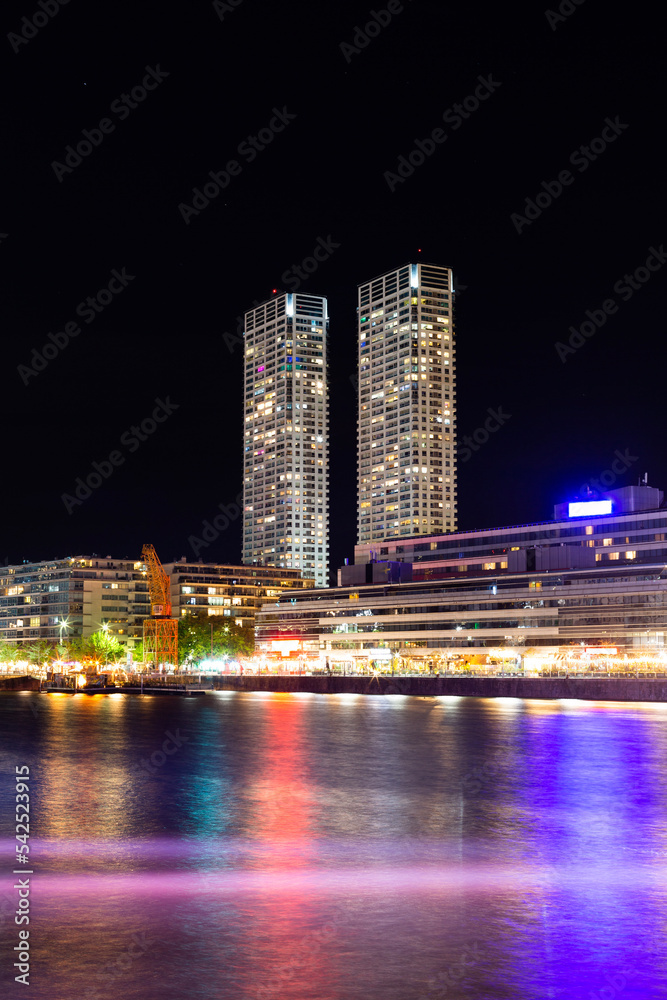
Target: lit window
606,541
613,555
631,555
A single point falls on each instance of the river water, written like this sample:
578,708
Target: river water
307,847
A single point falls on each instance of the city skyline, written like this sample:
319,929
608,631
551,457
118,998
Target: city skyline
556,248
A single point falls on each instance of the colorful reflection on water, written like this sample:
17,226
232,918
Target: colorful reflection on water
340,848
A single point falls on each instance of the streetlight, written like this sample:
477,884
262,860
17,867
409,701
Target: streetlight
105,629
64,623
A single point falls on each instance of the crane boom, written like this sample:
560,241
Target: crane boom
158,583
160,629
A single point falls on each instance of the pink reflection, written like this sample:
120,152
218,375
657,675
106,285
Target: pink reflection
348,881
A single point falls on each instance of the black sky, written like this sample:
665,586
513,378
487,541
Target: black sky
322,177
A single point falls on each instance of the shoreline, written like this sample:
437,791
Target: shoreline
543,688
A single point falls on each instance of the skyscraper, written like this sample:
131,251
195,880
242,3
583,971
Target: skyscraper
407,404
286,463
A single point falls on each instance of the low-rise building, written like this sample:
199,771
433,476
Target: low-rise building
595,577
235,592
84,592
87,593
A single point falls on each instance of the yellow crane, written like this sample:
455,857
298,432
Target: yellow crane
160,630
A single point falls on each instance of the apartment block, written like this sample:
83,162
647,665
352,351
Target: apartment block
407,404
286,459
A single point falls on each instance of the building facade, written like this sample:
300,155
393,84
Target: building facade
87,592
588,579
632,532
233,592
509,616
286,460
407,404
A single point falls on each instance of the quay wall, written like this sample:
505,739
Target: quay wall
19,684
588,689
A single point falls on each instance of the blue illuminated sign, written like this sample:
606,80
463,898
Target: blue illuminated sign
586,508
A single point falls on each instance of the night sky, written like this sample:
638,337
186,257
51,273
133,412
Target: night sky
221,73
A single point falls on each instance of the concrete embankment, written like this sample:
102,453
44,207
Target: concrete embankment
586,689
19,684
593,689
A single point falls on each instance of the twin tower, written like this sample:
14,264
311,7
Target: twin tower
406,431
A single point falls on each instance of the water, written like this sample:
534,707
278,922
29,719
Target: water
291,847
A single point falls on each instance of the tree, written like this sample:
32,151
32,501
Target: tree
10,652
106,646
40,651
204,637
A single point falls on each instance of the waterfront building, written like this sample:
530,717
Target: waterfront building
624,526
596,577
286,460
87,592
233,592
90,593
407,404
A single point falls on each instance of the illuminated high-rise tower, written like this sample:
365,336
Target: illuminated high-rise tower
286,463
407,404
